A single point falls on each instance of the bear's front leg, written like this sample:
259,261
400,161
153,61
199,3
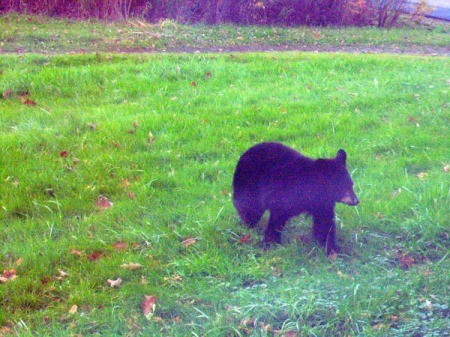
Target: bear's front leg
275,227
324,229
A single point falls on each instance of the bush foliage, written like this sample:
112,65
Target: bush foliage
261,12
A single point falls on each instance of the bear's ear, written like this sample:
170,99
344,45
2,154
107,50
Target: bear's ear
341,156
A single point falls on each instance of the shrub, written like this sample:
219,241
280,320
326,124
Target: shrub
383,13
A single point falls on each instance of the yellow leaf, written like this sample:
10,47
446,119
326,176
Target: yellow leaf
73,310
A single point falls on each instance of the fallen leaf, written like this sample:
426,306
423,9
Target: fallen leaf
188,242
6,93
406,261
125,183
120,245
393,318
103,202
73,310
115,283
63,154
422,175
143,280
75,252
248,322
131,195
150,138
193,84
8,275
148,306
379,326
19,262
95,255
333,256
175,279
246,238
131,266
208,75
62,273
27,101
427,272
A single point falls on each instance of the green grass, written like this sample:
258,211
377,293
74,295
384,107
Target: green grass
389,113
169,129
43,35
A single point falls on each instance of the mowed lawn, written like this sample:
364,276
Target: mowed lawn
120,166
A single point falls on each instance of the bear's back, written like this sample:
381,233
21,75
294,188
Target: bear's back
266,160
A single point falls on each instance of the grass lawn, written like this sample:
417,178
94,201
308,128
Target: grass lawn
159,137
20,33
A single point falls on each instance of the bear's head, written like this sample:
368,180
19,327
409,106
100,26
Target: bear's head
337,179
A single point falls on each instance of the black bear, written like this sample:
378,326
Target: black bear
274,177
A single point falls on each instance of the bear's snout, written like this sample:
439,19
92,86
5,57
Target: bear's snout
351,200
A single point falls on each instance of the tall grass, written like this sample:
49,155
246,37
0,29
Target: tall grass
159,136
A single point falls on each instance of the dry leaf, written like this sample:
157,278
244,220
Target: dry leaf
131,266
62,273
27,101
125,183
208,75
15,182
188,242
406,261
143,280
115,283
6,93
75,252
103,202
19,262
422,175
333,256
120,245
427,272
246,238
131,195
95,255
73,310
150,138
148,306
8,275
